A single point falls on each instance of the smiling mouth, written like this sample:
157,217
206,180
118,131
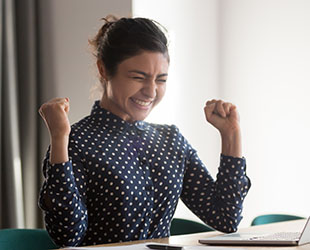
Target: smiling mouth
142,103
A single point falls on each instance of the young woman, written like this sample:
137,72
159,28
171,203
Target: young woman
113,177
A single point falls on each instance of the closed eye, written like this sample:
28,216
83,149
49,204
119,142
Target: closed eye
137,77
162,80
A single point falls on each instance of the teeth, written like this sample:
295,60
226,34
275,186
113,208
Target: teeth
142,103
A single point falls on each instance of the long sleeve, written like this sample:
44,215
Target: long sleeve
218,203
62,198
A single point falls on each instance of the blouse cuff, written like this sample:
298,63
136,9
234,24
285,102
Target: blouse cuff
235,164
60,170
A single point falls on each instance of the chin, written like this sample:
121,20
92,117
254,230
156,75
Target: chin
140,117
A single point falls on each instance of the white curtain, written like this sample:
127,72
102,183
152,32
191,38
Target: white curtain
21,150
11,184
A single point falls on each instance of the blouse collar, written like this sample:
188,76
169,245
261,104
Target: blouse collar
113,121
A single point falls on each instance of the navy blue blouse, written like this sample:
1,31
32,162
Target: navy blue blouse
123,182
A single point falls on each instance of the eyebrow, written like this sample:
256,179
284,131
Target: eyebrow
145,74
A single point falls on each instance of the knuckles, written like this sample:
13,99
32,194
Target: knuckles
53,106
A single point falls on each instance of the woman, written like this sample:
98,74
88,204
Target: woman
112,177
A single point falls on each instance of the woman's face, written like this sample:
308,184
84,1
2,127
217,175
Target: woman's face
137,87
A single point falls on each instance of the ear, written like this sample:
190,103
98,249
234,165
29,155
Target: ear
102,70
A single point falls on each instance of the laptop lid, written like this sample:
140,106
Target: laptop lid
272,239
305,234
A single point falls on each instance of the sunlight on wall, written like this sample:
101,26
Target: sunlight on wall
164,112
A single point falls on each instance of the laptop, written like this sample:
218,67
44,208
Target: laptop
262,239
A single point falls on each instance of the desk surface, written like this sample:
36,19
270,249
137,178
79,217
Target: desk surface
192,239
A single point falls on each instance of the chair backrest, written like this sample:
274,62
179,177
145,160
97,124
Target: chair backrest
25,239
183,226
270,218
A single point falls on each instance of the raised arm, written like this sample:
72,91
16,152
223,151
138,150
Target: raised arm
219,202
55,115
63,194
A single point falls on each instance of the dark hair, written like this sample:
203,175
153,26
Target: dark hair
120,39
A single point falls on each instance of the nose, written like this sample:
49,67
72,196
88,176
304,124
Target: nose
150,88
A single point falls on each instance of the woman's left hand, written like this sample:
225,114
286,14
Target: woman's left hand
224,116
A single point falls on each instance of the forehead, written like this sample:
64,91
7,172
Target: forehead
148,62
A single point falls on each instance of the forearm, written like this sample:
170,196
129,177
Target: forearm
231,143
59,150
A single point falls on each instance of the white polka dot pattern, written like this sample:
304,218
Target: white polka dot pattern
123,182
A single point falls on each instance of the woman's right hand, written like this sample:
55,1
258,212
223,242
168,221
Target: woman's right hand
55,115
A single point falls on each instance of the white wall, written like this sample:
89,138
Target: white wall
68,65
265,68
255,54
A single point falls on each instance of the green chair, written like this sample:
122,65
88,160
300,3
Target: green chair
183,226
25,239
270,218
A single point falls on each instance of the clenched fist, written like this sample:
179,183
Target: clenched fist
55,115
224,116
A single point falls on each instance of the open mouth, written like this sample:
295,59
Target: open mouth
141,102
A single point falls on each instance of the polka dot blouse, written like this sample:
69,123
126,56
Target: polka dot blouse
123,182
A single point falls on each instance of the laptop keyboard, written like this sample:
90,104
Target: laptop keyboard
291,236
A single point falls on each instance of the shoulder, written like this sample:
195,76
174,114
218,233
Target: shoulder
170,135
84,122
169,132
163,128
89,121
82,127
82,132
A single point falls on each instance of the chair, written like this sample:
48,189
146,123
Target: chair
183,226
25,239
270,218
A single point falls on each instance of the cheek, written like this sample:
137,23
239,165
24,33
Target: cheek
163,89
161,92
120,91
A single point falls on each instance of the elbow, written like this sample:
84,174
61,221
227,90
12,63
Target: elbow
66,233
226,224
231,224
67,238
